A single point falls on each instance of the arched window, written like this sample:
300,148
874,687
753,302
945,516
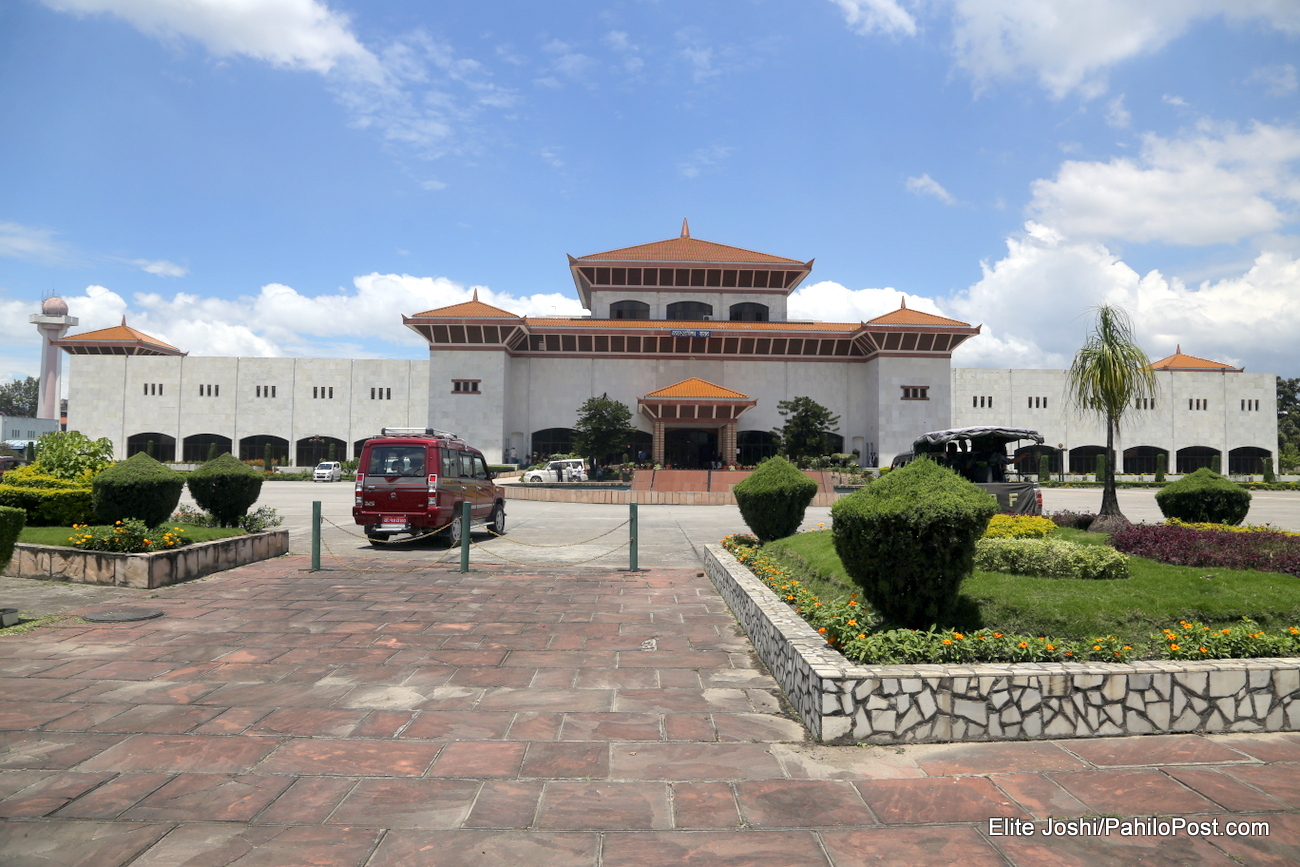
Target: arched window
159,446
312,450
552,441
693,311
202,447
254,448
753,446
1192,458
748,311
629,310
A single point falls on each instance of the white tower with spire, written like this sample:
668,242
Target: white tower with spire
53,322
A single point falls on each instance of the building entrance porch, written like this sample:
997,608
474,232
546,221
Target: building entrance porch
694,423
691,448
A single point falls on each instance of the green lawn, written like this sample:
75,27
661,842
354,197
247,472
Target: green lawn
1157,595
59,535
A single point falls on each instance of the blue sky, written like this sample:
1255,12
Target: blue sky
287,177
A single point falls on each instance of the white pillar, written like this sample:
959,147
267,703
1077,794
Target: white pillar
53,322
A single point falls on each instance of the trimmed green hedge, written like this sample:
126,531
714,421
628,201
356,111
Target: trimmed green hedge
50,507
773,499
1050,558
138,487
11,524
226,487
908,540
1204,497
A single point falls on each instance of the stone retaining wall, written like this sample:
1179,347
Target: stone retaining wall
895,704
54,563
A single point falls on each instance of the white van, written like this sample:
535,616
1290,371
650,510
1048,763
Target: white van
567,470
327,471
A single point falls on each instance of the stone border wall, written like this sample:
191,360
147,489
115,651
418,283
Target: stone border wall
898,704
55,563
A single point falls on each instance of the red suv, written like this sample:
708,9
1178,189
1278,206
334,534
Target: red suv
412,480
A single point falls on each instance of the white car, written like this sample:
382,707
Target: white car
568,470
327,471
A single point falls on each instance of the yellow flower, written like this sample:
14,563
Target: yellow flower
958,636
1024,644
862,635
947,641
1173,647
853,623
997,635
1096,647
1051,647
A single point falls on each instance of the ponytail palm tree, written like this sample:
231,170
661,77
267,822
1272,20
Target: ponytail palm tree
1109,373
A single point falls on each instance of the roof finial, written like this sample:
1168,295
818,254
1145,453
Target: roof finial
475,293
903,304
124,319
1178,349
686,228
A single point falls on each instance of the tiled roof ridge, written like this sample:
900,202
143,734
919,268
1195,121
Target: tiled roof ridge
694,386
630,253
117,332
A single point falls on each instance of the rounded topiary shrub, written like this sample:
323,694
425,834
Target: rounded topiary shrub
138,487
1204,497
773,499
225,486
11,524
908,541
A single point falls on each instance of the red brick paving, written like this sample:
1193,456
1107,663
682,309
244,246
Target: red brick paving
502,717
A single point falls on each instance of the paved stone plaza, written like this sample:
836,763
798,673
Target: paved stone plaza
392,713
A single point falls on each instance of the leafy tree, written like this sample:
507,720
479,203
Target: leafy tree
20,397
1288,413
604,428
806,423
1108,374
68,454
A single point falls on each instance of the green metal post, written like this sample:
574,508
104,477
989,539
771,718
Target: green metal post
315,535
631,548
464,537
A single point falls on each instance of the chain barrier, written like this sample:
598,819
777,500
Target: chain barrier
452,548
569,545
550,565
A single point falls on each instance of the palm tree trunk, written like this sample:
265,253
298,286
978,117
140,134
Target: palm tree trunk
1110,518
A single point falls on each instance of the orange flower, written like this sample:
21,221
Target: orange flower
958,636
1051,647
947,641
1024,644
853,623
1203,650
1173,647
997,635
822,630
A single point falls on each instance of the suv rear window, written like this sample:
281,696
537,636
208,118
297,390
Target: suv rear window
396,461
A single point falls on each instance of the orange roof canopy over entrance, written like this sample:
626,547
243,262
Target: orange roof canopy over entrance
1179,361
116,340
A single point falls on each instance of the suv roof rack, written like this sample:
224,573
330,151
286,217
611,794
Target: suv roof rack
417,432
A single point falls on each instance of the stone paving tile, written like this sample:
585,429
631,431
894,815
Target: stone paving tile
208,798
809,761
1272,747
308,722
690,727
458,725
158,719
1154,750
48,793
232,721
800,804
1280,781
102,844
356,757
943,799
908,847
1042,796
673,761
757,727
183,753
85,716
401,848
223,844
505,804
535,726
1133,792
480,759
611,727
27,715
714,849
566,761
407,803
307,801
1225,790
51,750
604,805
683,700
996,758
555,700
114,796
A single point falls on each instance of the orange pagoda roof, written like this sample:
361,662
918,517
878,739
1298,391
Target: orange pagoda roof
904,316
687,249
697,388
116,340
472,309
1179,361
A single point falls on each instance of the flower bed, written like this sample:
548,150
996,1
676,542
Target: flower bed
841,701
52,563
1251,547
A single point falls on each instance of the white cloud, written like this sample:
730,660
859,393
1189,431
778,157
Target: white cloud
1116,114
1174,100
1213,186
702,160
33,245
829,301
872,16
928,186
296,34
1277,80
1033,304
160,267
1068,45
414,91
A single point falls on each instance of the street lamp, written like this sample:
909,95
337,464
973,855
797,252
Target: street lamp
1060,447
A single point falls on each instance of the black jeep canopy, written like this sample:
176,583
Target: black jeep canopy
1002,435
